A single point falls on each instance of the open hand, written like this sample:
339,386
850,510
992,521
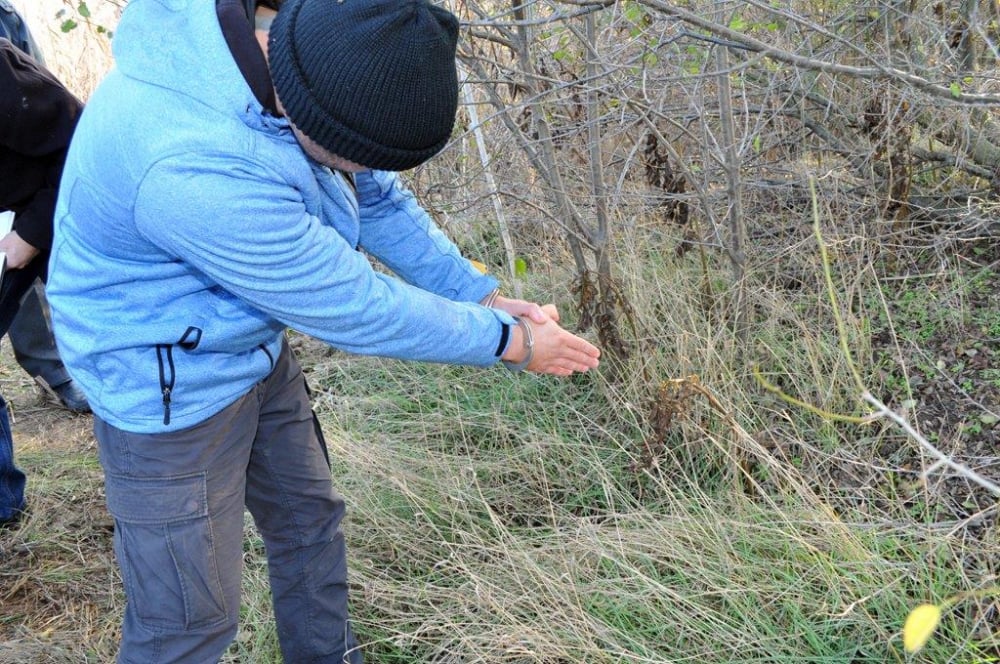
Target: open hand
557,351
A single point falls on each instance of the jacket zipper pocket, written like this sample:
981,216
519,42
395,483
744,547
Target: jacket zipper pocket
165,358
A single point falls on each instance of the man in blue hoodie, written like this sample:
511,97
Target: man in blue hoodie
218,189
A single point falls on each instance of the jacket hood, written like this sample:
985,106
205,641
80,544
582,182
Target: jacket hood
180,45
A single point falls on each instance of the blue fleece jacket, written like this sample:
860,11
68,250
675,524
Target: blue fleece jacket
191,230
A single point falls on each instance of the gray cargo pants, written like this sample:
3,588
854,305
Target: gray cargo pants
178,501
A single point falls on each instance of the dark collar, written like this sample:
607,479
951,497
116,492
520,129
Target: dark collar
237,28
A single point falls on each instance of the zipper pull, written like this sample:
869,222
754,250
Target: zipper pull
166,405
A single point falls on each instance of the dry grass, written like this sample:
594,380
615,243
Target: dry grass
58,582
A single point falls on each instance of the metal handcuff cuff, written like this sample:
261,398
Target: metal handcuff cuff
529,337
529,345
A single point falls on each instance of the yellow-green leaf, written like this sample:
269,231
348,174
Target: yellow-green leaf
520,267
919,626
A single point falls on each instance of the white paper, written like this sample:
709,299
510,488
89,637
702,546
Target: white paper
6,224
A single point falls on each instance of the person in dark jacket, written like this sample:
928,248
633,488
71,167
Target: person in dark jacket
37,118
30,334
14,28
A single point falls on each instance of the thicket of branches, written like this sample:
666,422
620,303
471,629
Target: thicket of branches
704,114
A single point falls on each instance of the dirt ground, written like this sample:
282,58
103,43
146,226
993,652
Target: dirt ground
59,590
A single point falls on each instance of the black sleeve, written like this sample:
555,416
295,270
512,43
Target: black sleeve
37,118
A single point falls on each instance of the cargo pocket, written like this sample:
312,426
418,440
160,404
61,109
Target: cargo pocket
165,551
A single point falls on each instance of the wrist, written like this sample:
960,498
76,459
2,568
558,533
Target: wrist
521,348
490,299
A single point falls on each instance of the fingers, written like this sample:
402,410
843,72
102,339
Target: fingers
562,369
576,363
535,313
590,352
561,353
540,314
580,351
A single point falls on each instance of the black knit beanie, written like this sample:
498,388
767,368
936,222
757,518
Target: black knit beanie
372,81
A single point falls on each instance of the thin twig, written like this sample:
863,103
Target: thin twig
487,165
942,459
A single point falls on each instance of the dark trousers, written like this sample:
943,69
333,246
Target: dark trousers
32,339
178,501
15,284
12,480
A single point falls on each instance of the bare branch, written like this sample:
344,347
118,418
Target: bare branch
942,459
875,72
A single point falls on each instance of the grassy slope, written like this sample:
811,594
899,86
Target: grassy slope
502,519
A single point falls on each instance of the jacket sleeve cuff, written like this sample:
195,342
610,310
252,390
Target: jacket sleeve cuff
34,223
